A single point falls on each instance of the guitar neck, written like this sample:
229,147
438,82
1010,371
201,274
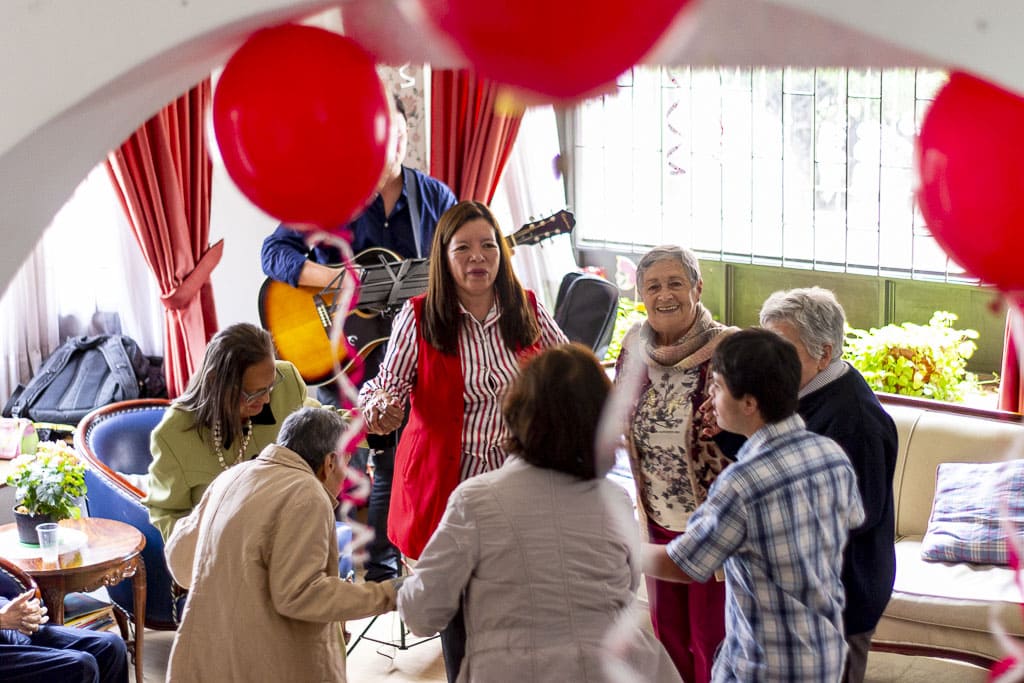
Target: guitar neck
545,228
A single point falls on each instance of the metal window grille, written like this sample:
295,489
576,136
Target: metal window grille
802,168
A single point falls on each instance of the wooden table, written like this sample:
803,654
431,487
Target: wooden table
111,553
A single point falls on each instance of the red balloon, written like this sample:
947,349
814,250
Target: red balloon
302,122
969,158
560,50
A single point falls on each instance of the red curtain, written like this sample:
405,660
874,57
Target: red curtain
1011,393
162,176
469,140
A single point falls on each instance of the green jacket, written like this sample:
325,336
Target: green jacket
184,464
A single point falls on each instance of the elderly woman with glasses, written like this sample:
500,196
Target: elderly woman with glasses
667,360
233,407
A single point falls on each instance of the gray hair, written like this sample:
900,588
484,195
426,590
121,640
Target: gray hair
669,252
312,433
814,312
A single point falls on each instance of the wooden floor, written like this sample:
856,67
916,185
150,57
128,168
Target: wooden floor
422,663
371,662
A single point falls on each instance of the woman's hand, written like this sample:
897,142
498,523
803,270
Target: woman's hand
23,614
383,414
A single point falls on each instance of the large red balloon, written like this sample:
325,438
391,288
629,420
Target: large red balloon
302,122
561,50
970,158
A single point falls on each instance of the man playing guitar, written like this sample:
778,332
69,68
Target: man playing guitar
401,219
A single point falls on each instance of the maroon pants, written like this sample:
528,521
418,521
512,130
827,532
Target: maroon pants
689,619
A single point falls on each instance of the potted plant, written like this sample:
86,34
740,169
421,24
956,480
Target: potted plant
48,486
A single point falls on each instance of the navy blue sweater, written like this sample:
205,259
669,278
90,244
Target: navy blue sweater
848,412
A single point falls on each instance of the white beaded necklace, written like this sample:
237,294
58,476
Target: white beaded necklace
218,442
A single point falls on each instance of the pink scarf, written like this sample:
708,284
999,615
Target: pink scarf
693,348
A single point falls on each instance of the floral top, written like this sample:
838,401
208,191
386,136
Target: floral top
663,418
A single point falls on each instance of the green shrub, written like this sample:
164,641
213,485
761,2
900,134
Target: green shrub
915,360
628,314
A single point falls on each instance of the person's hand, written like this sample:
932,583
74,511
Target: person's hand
383,414
24,614
708,419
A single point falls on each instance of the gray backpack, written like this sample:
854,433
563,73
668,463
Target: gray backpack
86,373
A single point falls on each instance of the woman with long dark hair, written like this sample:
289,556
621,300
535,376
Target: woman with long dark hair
453,354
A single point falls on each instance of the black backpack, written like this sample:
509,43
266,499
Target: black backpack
86,373
585,310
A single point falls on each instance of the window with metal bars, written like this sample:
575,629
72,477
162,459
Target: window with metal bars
804,168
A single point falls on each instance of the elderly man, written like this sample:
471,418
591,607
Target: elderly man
260,558
32,651
836,402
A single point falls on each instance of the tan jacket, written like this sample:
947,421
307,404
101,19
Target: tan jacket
260,557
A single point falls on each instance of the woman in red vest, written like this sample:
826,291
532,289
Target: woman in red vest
453,354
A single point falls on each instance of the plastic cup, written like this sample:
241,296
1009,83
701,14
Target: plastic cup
48,543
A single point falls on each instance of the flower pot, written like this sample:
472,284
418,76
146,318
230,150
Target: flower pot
27,526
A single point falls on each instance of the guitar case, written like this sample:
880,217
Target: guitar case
586,308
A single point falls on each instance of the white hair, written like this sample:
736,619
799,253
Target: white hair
818,317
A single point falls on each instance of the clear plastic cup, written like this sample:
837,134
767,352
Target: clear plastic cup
48,543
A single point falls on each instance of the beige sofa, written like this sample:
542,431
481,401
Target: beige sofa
940,609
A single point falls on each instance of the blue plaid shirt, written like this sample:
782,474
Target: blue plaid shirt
777,520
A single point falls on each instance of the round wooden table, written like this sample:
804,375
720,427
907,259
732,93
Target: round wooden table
104,552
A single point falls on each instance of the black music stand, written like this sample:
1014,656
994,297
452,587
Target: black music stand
383,288
403,643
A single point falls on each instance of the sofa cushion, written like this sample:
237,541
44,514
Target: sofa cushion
953,595
965,522
929,438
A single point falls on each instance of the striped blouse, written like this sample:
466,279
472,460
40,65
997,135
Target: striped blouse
488,369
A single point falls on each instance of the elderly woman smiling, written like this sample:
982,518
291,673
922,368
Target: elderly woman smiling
673,463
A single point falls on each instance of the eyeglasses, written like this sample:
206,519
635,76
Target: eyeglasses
262,393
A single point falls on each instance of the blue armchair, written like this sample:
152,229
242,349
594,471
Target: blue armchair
113,441
13,581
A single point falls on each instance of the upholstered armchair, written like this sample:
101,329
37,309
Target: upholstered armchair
113,441
13,581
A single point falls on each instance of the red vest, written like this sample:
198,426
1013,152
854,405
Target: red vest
427,460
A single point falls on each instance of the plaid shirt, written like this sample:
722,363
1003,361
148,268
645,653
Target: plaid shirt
778,520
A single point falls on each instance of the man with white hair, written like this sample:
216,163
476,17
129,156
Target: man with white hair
836,402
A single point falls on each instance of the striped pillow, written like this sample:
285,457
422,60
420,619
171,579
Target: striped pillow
965,520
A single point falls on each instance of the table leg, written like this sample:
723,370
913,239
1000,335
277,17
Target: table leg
53,598
139,616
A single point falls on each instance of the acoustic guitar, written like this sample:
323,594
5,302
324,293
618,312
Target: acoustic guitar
300,318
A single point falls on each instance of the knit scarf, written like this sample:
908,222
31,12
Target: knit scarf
693,348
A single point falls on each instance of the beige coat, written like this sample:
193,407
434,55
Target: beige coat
260,557
545,566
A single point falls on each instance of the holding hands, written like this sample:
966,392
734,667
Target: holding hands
24,614
383,414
